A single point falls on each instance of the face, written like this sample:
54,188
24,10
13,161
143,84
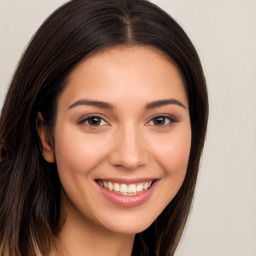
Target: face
122,138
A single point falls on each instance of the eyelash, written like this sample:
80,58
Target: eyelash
87,119
168,120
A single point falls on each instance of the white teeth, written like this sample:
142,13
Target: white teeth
145,186
126,189
139,188
110,186
132,188
123,188
116,187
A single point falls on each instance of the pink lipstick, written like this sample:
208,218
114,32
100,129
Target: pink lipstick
127,194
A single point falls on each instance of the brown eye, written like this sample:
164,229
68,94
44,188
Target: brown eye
94,121
159,120
162,121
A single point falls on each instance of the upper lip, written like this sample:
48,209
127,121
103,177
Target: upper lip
128,181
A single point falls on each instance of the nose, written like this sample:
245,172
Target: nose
129,149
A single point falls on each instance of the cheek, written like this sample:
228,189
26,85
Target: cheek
172,154
77,153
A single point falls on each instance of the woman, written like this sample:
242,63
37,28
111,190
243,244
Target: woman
84,171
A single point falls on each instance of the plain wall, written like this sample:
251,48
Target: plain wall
223,219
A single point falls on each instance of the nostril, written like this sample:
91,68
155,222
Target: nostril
128,151
127,161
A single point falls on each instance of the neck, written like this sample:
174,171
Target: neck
80,236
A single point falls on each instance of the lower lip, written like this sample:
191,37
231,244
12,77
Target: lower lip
128,201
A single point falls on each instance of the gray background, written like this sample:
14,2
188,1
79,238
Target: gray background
223,220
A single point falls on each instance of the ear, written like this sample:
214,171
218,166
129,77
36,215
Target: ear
45,139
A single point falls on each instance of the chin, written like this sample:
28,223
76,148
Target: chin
128,225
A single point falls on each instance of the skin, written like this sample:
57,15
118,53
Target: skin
127,142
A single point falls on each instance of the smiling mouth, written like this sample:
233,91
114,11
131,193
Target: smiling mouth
126,189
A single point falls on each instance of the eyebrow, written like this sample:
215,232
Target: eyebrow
160,103
99,104
106,105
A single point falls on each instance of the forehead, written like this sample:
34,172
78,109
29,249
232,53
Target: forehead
136,73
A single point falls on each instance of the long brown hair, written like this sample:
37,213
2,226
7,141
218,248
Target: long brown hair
30,187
